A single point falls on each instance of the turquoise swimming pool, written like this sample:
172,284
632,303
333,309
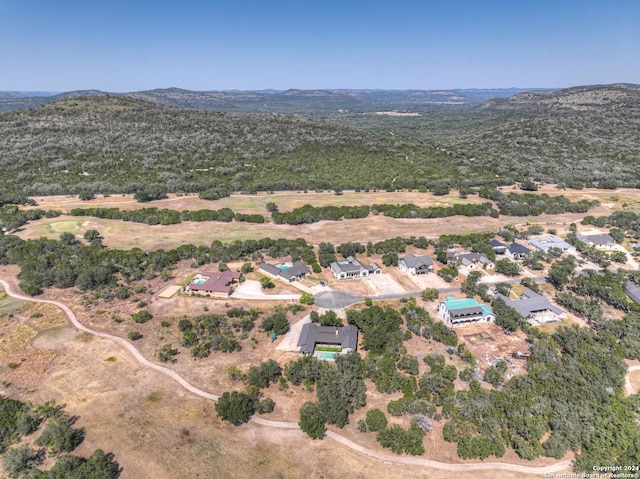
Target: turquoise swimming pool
325,355
284,266
200,281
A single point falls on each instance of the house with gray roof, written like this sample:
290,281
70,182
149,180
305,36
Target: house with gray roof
598,240
546,242
286,272
534,307
411,264
469,260
325,342
633,291
352,268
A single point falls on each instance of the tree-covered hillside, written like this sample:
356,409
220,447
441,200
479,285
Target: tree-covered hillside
571,136
583,136
107,144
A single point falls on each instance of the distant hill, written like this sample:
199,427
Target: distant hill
309,102
586,133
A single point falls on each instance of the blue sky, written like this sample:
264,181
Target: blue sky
134,45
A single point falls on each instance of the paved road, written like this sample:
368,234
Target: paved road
417,461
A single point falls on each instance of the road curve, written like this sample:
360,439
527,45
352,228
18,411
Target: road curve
402,460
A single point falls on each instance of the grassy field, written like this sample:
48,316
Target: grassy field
286,201
126,235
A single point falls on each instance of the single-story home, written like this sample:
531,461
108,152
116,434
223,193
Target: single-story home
633,291
517,252
498,247
469,260
286,272
534,306
351,268
411,264
468,310
217,284
546,242
599,240
325,342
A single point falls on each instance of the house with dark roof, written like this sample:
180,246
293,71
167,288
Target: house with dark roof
325,342
633,291
352,268
599,240
498,247
462,311
214,283
286,272
469,260
411,264
517,252
534,307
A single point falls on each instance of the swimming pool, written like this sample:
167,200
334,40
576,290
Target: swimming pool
200,281
284,266
325,355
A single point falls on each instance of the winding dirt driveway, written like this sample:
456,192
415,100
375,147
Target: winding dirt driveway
393,459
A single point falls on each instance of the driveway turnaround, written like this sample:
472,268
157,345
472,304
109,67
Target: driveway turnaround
336,299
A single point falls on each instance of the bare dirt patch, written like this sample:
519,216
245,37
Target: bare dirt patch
635,380
488,343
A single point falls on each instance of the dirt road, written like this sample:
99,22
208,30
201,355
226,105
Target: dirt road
559,466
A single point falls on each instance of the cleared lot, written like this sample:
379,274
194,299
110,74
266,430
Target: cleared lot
383,284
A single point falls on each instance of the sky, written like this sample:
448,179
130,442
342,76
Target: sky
122,46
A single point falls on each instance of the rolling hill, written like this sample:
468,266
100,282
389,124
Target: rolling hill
108,144
92,141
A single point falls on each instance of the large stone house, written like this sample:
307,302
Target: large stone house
469,261
411,264
352,268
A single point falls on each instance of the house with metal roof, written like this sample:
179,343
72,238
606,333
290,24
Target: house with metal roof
546,242
498,247
352,268
534,307
517,252
633,291
286,272
325,342
411,264
461,311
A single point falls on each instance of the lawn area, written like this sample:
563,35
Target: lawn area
9,305
328,349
